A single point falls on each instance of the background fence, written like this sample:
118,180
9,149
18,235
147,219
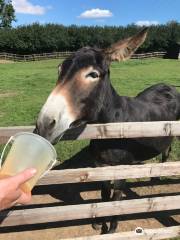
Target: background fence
62,55
34,57
149,55
85,211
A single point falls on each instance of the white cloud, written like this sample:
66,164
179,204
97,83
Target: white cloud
96,13
26,7
146,23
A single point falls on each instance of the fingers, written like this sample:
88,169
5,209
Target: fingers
24,198
11,191
24,176
21,178
10,199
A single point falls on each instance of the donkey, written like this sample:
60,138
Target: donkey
84,94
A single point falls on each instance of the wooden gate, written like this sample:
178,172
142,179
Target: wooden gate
95,210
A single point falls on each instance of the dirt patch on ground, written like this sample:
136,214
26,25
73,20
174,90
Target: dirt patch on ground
59,195
5,61
8,94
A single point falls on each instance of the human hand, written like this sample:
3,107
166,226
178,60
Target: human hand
10,191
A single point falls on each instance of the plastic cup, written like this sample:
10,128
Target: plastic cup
27,150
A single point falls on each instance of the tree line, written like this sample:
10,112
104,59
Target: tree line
7,13
37,38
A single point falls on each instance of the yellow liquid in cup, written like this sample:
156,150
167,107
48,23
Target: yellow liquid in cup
8,171
25,187
28,150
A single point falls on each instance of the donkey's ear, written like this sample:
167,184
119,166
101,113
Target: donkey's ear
124,49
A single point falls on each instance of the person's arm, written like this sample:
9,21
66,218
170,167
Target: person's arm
10,191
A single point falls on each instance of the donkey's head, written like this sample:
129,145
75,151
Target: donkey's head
81,87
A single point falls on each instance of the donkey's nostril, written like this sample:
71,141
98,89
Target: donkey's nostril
36,130
52,123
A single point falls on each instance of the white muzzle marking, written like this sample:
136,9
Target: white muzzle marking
56,108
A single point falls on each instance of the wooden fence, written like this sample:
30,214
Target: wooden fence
34,57
62,55
124,207
149,55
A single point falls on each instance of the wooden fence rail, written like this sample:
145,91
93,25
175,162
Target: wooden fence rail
54,55
147,234
149,55
85,211
34,57
111,173
109,130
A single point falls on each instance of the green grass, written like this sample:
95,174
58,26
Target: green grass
30,83
27,85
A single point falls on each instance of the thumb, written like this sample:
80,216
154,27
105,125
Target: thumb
24,176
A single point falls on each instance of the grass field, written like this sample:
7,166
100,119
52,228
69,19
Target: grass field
25,86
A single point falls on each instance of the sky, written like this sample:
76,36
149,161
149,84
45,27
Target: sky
96,12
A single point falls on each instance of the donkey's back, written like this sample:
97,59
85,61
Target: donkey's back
163,98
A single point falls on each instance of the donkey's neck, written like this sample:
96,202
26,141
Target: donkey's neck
113,106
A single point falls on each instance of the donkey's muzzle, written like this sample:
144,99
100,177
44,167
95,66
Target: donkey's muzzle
45,128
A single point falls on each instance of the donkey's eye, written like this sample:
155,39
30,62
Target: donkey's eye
93,75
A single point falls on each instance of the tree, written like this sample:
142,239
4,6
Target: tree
7,13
